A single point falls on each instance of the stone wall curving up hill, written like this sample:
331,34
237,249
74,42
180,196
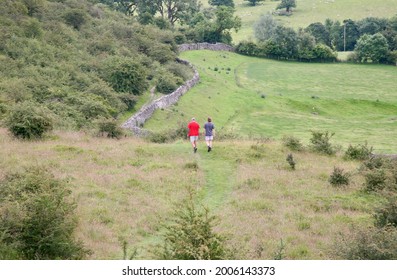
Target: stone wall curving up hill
136,122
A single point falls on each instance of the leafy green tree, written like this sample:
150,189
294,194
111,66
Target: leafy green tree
348,35
391,37
254,2
229,3
320,32
371,48
287,42
393,23
177,10
265,27
306,43
217,29
371,25
287,4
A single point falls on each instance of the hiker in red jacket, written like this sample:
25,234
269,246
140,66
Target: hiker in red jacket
193,134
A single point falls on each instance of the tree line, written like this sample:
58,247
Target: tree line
372,40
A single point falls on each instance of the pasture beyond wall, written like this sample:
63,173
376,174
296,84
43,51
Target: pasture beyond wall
136,122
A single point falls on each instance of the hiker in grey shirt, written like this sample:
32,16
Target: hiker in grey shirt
209,128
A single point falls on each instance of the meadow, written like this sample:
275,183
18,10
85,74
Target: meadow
310,11
252,97
126,189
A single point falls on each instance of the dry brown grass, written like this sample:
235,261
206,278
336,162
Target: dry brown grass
271,202
125,189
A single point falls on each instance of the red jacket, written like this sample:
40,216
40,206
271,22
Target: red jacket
194,128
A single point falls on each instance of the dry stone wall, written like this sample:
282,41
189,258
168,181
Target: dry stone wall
205,46
136,122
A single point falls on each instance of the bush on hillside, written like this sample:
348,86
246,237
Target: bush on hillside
386,215
75,18
368,244
380,174
168,83
37,217
375,180
29,121
109,128
125,75
339,178
359,152
321,142
293,143
291,161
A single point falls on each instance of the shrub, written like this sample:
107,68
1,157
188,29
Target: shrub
37,217
339,178
125,75
29,121
190,235
368,244
291,162
321,142
375,180
110,128
167,83
293,143
373,163
387,214
359,152
75,18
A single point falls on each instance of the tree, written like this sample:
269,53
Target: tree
287,4
319,32
306,43
371,25
225,21
287,41
190,235
348,35
371,48
217,29
254,2
229,3
265,27
177,10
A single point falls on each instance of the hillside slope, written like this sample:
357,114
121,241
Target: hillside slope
310,11
251,97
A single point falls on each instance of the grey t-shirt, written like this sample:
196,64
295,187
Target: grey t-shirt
209,126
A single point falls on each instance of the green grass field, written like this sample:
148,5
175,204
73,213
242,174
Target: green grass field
254,97
310,11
